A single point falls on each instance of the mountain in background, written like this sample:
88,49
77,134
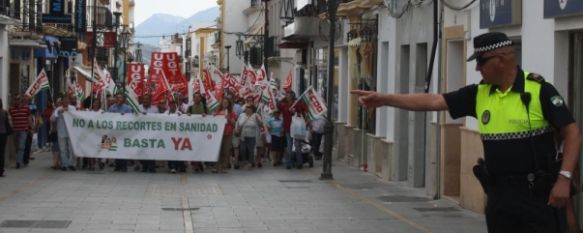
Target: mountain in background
147,51
164,24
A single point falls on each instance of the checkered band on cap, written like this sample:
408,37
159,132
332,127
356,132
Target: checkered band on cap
493,46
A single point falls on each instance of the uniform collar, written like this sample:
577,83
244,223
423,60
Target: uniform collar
517,86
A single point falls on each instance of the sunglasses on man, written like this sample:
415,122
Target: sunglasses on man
481,60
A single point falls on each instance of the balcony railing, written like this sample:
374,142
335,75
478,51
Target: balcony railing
7,8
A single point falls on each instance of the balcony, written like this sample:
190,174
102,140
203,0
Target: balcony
104,19
254,6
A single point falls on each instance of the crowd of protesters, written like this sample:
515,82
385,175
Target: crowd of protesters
251,137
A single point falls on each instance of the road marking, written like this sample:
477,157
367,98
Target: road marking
186,213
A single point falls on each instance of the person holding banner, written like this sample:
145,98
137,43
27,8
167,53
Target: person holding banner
197,107
121,165
175,165
65,147
145,108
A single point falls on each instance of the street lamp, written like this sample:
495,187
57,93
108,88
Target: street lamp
124,43
228,47
117,15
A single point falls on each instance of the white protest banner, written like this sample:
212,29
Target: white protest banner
145,137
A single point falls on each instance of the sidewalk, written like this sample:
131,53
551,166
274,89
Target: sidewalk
260,200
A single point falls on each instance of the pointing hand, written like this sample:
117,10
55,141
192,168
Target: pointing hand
368,99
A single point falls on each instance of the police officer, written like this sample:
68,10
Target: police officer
518,113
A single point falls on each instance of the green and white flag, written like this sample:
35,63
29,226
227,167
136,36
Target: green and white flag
314,102
132,99
41,82
212,103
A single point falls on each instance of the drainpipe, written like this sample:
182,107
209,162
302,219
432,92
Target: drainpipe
440,89
436,34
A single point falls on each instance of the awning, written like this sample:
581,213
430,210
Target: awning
27,43
85,72
357,7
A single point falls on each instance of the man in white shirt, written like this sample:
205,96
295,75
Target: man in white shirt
65,147
146,106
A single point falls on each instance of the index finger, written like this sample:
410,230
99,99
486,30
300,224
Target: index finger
360,92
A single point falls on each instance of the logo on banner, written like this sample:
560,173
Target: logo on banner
492,10
108,143
563,4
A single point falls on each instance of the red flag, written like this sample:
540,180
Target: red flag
288,81
208,80
252,76
169,64
136,78
161,90
244,75
261,74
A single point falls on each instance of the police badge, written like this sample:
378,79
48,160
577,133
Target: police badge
485,117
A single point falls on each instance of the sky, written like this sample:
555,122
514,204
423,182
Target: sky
183,8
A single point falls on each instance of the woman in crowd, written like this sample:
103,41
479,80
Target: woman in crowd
247,126
226,110
275,127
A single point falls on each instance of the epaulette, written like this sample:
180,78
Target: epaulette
535,77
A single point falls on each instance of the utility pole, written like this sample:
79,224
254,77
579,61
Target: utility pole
93,43
329,127
266,37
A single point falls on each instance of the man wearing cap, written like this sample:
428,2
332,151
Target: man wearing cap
527,181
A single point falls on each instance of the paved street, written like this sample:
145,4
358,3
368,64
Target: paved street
38,199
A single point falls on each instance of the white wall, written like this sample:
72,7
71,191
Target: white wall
387,34
235,21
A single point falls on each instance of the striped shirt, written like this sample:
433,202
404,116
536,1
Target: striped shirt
20,118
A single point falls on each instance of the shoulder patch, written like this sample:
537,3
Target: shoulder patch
535,77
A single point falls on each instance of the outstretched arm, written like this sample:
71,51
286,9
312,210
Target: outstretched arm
411,102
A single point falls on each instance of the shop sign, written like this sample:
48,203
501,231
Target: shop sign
558,8
496,13
57,13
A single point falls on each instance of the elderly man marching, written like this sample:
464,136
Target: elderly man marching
527,181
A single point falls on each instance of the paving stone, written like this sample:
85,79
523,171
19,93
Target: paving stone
241,201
